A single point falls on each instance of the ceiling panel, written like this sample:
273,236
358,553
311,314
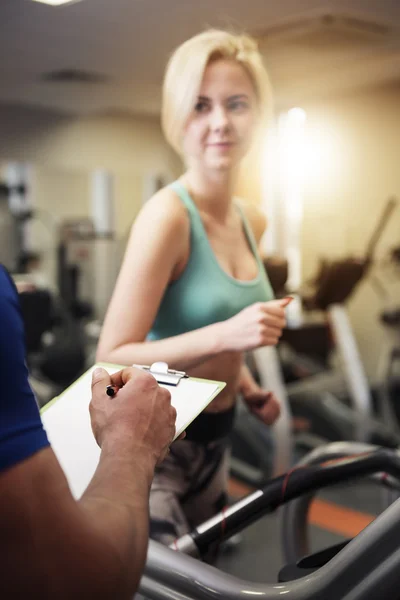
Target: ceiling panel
129,42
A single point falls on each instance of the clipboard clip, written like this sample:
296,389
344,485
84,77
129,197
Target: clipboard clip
162,374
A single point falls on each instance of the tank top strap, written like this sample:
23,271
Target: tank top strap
194,215
249,234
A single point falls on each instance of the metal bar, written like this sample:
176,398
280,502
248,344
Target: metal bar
280,490
353,369
374,552
294,516
269,370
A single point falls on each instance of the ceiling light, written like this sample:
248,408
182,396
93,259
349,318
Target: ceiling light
56,2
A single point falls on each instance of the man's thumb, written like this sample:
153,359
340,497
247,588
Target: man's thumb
100,375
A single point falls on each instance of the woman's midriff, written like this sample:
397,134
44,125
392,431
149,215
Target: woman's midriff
223,367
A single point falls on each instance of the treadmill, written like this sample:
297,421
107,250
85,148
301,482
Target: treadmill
365,568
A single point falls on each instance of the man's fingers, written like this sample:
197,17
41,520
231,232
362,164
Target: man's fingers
120,378
128,374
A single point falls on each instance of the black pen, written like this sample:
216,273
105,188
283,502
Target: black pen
111,390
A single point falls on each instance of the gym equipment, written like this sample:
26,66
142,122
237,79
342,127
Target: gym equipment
86,268
55,344
334,284
364,569
307,477
259,452
388,397
10,235
294,516
335,404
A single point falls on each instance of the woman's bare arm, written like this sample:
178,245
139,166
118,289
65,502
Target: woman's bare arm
157,252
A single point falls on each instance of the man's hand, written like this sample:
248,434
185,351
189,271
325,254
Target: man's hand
140,412
263,405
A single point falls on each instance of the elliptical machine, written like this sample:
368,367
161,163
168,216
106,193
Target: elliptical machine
366,568
335,404
338,403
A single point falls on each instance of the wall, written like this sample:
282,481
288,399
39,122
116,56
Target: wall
63,150
119,142
66,147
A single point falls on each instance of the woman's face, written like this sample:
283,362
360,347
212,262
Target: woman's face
219,130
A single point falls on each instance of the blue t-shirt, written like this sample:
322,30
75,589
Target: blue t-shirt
21,430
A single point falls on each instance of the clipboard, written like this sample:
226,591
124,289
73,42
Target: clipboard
66,418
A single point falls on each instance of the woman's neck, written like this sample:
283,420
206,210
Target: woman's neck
213,193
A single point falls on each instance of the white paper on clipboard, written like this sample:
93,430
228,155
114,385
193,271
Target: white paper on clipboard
67,421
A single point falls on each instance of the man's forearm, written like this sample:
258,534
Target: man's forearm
117,503
94,548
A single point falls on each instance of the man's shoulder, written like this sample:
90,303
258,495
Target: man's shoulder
7,286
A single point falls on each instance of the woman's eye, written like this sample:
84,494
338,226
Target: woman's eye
238,105
201,107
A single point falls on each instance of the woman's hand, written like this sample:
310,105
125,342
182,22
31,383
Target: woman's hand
262,403
259,324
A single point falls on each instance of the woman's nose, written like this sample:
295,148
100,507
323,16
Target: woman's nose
219,119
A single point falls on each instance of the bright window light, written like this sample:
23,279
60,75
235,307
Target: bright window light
293,158
56,2
297,115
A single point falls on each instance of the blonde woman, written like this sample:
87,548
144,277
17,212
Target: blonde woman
192,290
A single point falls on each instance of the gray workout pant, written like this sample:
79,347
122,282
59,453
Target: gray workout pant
188,488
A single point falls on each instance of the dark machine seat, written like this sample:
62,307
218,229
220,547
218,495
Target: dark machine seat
38,316
309,563
62,359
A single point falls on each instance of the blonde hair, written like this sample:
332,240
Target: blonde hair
185,71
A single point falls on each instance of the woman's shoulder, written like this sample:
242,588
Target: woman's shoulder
165,206
162,226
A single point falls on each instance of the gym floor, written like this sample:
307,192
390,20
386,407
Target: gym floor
337,514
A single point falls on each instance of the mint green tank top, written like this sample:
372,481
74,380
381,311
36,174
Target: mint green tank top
205,293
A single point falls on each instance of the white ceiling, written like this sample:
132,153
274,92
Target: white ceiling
128,42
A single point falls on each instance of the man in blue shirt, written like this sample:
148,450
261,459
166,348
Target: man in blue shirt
52,546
